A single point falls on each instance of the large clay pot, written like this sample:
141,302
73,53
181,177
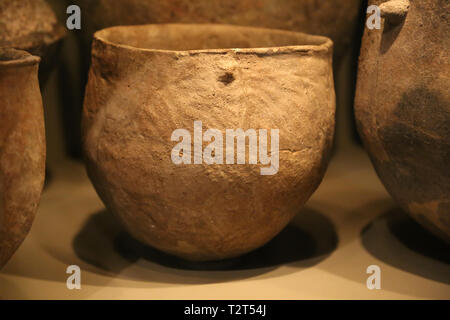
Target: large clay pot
31,25
147,81
403,107
332,18
336,19
22,148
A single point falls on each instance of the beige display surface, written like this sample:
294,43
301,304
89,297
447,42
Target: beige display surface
349,224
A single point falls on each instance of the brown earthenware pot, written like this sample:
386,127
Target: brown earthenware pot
31,25
22,148
336,19
403,107
146,82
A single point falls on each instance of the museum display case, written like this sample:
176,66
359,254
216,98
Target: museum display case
212,168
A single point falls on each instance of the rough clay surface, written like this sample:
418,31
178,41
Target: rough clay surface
335,19
29,25
22,149
135,99
403,110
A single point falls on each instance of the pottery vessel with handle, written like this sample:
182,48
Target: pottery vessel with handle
402,106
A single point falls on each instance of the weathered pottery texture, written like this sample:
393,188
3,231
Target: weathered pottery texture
30,25
147,81
403,107
22,148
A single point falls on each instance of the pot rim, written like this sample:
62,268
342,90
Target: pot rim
10,57
326,44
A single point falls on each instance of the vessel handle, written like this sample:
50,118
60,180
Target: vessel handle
395,11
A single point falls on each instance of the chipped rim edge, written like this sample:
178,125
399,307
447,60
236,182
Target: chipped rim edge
325,47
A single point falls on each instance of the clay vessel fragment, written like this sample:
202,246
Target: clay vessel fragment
22,148
146,82
31,25
403,107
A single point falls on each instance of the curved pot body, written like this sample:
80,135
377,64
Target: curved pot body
30,25
22,148
148,81
336,19
403,107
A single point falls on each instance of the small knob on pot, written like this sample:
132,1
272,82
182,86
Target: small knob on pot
395,11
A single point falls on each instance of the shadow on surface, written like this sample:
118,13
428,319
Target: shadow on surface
398,240
102,243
